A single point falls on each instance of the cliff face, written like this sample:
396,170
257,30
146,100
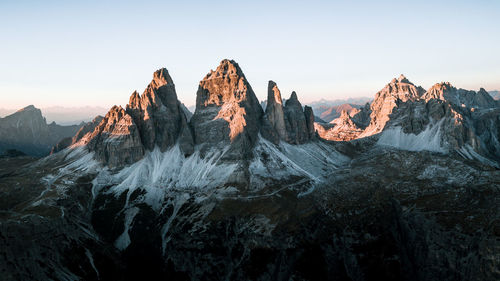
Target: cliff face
159,116
154,119
116,141
398,90
227,111
290,123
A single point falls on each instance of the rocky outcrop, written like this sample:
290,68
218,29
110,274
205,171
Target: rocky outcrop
297,127
116,141
459,97
398,90
159,115
309,114
290,123
84,130
329,113
361,116
340,129
455,119
154,119
227,111
27,130
274,128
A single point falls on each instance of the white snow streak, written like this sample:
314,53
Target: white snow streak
429,139
123,240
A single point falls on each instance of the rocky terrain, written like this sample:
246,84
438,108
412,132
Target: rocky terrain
409,189
329,113
26,130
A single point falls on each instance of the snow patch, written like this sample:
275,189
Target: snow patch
429,139
468,152
123,240
314,160
160,171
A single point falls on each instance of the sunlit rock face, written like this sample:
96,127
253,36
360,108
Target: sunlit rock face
460,97
464,121
227,111
273,127
116,140
340,129
159,115
154,119
386,100
85,129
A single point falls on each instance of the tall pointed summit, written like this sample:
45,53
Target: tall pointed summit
227,110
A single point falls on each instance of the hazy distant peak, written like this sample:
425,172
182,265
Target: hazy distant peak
28,108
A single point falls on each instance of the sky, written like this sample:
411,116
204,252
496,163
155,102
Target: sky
96,53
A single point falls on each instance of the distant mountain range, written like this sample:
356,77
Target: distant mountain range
65,115
27,130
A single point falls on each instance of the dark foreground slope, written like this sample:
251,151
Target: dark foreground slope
388,215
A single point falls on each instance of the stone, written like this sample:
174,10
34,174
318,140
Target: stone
295,120
159,115
116,141
274,128
228,114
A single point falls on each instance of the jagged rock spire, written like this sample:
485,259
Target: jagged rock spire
274,128
227,110
295,120
153,119
158,114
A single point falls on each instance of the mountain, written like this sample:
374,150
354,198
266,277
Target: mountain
26,130
495,94
237,192
440,119
329,113
329,103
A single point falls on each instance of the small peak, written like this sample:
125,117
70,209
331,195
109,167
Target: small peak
161,77
442,85
134,99
483,91
28,108
273,93
293,96
403,78
226,68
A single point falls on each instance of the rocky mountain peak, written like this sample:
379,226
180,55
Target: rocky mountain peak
29,108
161,77
273,94
153,119
227,110
298,123
293,98
226,68
274,128
398,90
135,100
403,79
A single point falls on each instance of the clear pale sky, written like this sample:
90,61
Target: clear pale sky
73,53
